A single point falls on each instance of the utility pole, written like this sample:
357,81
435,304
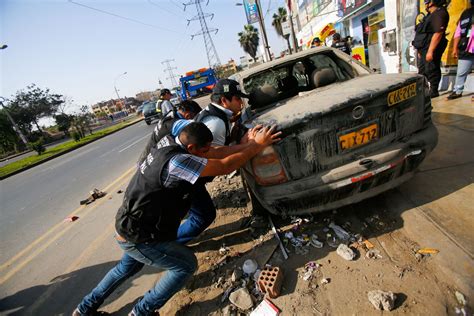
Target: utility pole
169,69
15,127
212,57
292,27
264,33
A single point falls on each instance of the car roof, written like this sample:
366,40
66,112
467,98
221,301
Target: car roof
248,72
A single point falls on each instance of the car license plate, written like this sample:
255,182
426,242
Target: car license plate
401,94
359,137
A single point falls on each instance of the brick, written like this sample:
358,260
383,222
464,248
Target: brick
269,281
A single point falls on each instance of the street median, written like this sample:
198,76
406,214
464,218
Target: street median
51,153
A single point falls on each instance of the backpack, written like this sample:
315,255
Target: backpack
422,37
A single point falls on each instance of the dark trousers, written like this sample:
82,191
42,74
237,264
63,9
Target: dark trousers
432,70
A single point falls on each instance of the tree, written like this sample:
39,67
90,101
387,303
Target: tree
64,122
9,141
249,40
29,105
278,18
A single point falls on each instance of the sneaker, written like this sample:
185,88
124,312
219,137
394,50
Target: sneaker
454,95
132,313
96,313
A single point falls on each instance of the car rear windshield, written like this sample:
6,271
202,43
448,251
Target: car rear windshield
149,108
288,79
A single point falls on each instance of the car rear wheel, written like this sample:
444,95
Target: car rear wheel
148,122
257,208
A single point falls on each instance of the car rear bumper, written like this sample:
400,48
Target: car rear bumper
348,183
150,118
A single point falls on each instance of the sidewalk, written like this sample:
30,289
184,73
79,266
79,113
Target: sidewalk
441,214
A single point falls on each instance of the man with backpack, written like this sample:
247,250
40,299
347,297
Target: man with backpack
430,42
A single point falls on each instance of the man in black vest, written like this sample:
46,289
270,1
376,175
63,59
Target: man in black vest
430,41
156,200
340,44
186,110
463,49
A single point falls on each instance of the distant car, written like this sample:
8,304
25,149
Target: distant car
349,134
175,99
150,113
140,109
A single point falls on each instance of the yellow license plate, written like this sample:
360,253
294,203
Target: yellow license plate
401,94
359,137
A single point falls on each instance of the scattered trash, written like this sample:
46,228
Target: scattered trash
373,254
119,191
315,242
368,244
250,266
382,300
94,194
227,293
71,218
236,275
461,311
241,298
224,250
340,232
270,280
325,281
461,298
232,174
427,251
345,252
310,267
332,240
265,308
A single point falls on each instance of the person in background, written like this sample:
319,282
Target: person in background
430,42
463,50
164,104
340,44
316,42
157,199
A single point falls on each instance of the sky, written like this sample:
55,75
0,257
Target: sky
81,48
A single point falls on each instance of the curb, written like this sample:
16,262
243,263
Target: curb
65,152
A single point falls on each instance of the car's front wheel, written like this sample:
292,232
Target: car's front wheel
148,122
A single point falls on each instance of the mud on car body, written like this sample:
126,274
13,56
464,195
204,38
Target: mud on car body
349,134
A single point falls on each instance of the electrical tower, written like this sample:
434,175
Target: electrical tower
212,57
170,69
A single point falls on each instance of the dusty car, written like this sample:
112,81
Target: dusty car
349,134
150,113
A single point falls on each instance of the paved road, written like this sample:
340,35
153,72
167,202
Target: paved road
46,194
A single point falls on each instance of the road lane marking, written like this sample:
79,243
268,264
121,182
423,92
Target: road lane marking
86,254
79,211
135,142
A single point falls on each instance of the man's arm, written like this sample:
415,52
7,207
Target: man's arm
216,167
435,40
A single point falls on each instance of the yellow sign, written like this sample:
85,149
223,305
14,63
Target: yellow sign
360,137
401,94
358,53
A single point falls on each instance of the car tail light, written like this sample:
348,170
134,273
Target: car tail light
267,168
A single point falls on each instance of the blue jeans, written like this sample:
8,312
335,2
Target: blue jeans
464,69
179,260
200,216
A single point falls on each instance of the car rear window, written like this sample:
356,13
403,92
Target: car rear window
288,79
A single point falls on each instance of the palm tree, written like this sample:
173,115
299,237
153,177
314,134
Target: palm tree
249,40
278,18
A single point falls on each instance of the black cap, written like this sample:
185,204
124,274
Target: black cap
164,92
316,40
228,86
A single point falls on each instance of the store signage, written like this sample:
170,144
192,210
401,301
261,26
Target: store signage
347,7
251,10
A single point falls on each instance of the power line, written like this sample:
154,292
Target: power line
165,9
122,17
212,57
169,69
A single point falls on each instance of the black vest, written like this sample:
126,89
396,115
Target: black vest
212,110
162,128
465,22
150,211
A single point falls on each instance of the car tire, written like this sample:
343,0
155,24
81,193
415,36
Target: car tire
148,122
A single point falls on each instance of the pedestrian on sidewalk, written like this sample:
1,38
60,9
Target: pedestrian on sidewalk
342,45
156,200
164,104
430,42
463,50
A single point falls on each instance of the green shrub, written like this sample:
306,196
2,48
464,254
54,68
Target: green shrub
76,136
38,146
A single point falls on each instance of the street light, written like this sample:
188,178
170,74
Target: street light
115,84
3,46
262,28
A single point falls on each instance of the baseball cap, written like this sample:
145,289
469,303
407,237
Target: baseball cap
229,86
316,40
164,92
178,126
